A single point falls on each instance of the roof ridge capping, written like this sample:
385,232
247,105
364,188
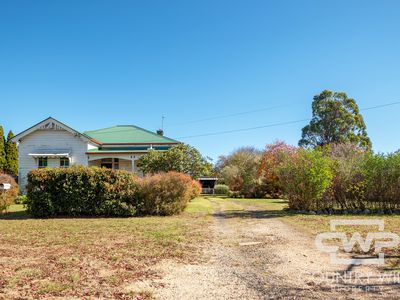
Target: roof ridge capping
99,129
154,133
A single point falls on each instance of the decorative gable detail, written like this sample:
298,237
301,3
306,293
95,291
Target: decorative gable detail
51,126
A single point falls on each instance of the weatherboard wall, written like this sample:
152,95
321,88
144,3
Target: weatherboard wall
49,139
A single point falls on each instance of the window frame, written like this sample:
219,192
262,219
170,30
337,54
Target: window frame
40,163
110,163
115,163
62,162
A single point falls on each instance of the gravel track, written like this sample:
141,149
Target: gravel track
254,255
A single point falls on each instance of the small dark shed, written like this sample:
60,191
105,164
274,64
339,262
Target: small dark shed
208,184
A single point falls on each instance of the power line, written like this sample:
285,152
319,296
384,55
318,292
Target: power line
276,124
381,105
230,115
245,129
261,110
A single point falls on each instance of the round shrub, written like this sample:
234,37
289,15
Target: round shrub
7,196
165,193
221,189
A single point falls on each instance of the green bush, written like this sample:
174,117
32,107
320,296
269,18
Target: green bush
78,191
21,199
7,197
165,193
221,189
382,180
239,170
305,176
347,190
235,194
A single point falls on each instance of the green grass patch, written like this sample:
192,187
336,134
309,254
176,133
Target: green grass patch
267,204
200,205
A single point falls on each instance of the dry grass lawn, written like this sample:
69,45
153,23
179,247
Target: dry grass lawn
90,257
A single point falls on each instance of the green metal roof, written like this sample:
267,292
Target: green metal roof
127,134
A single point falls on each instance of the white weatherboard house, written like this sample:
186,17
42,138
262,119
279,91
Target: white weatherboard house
53,144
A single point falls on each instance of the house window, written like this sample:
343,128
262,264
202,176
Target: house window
64,162
42,162
110,163
106,163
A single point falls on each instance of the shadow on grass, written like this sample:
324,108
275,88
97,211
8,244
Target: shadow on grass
255,214
278,201
15,215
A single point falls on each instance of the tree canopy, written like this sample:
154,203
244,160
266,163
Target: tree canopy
239,170
180,158
11,152
3,161
336,119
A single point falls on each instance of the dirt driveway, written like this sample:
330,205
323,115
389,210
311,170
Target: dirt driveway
256,255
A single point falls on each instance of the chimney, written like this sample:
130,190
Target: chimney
160,132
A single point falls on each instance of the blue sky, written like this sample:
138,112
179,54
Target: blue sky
94,64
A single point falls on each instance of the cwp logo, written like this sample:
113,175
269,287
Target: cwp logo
380,239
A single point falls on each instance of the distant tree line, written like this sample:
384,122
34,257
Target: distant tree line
332,170
250,172
8,153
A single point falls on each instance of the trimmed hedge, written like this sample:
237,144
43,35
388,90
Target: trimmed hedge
166,193
81,191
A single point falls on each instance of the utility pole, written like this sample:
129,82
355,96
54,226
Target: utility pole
162,122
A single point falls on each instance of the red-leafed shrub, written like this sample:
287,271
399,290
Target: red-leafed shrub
196,189
166,193
7,196
272,159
